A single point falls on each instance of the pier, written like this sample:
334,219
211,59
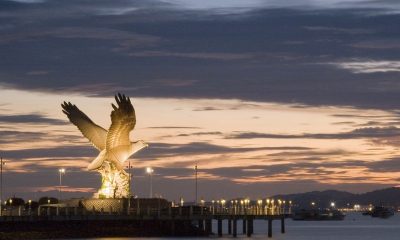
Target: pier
193,220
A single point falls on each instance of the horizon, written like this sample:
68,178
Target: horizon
265,97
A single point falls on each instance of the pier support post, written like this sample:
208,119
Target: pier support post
208,226
283,224
201,224
219,227
229,226
249,227
172,223
269,228
244,226
138,208
234,227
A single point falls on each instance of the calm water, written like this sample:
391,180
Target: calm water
354,227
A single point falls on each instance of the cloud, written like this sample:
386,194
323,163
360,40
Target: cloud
37,73
20,136
207,109
28,1
195,55
124,39
370,66
173,127
159,150
33,118
377,44
385,166
198,134
339,30
52,152
11,136
369,132
237,6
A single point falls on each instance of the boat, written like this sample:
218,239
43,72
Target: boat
318,215
381,212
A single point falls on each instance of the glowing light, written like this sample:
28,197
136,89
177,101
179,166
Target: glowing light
149,170
223,202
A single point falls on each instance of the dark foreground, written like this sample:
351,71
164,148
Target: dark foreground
97,228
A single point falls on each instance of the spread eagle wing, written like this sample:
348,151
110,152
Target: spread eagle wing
96,134
123,120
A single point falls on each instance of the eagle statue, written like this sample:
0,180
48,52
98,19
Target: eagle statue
114,145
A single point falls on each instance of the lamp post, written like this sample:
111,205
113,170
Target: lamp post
223,205
150,171
259,202
1,185
61,171
130,178
29,210
195,173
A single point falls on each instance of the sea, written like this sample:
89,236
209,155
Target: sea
354,227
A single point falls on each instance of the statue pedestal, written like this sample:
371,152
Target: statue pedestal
107,205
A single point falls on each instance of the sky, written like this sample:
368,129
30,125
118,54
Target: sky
266,97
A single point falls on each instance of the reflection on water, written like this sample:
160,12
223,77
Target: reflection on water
354,227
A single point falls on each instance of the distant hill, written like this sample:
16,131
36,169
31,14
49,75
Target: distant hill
387,196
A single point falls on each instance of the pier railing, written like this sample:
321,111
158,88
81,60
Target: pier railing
192,210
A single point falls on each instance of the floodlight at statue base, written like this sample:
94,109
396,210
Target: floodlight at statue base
114,184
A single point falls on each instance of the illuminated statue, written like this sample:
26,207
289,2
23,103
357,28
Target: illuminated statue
114,146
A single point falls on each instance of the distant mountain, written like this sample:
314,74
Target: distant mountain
388,196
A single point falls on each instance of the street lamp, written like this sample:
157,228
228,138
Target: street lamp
150,171
130,179
61,171
195,172
2,163
30,203
259,202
